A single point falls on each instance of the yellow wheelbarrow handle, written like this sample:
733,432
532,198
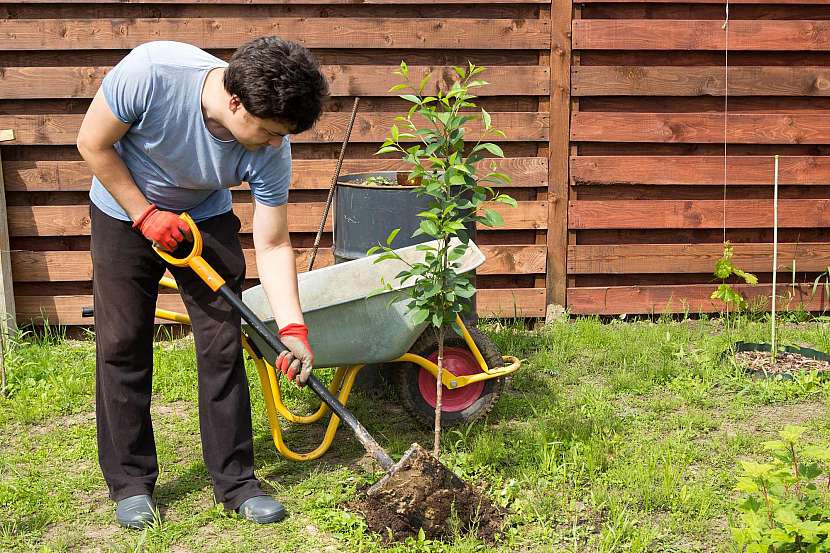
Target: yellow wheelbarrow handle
194,259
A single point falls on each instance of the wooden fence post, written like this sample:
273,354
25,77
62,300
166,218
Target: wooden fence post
558,151
8,319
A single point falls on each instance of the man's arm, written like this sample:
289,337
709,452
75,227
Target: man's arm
100,130
276,264
278,274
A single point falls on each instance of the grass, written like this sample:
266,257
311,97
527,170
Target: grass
616,436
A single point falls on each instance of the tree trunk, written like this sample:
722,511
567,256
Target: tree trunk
436,447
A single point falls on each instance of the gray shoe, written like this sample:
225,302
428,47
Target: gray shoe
136,512
262,509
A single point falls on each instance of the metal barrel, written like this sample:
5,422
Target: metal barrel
366,214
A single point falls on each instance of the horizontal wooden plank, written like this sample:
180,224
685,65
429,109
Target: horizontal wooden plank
627,80
75,266
307,174
741,128
326,2
344,80
769,2
663,34
693,170
694,298
326,32
331,127
697,214
73,220
633,1
692,258
66,310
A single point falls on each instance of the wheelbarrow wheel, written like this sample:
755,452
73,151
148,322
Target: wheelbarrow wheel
416,386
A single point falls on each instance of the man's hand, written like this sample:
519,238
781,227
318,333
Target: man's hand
162,227
298,358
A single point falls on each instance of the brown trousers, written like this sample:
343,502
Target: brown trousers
126,272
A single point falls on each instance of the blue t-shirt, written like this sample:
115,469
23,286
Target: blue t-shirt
173,158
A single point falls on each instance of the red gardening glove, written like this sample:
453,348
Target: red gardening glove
298,358
163,228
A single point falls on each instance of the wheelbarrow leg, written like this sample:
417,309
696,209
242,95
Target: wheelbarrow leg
342,386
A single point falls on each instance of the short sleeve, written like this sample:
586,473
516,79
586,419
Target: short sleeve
270,175
128,86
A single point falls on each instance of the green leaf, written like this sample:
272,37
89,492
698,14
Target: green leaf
749,278
429,227
756,470
431,215
723,268
486,118
424,82
492,218
792,433
404,69
726,294
787,518
411,98
376,292
386,150
818,453
419,316
774,445
505,199
391,237
494,149
372,250
398,87
498,178
387,255
457,252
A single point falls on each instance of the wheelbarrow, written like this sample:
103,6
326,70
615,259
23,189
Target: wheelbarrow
351,325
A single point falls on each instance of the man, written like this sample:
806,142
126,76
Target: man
171,128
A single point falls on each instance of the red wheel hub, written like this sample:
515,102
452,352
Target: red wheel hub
460,362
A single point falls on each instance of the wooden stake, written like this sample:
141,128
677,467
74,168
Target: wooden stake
774,255
436,444
7,312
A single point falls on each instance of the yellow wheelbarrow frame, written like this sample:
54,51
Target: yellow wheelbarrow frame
341,384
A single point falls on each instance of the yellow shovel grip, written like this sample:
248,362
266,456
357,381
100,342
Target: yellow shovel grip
207,273
194,259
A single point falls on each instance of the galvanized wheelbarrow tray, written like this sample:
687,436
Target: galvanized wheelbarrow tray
351,326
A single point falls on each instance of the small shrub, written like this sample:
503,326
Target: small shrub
786,503
724,268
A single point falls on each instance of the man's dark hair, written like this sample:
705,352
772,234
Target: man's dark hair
278,79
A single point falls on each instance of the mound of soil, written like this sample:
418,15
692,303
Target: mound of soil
419,492
785,363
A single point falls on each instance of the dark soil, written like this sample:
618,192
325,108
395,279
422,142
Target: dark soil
419,492
785,363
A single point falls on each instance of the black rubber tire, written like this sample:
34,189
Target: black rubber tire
405,380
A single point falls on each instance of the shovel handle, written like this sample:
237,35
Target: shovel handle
369,443
195,261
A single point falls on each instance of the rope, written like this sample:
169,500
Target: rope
333,185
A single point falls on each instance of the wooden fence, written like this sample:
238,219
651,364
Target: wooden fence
613,111
55,55
650,194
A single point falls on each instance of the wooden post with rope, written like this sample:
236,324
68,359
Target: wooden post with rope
333,185
7,311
